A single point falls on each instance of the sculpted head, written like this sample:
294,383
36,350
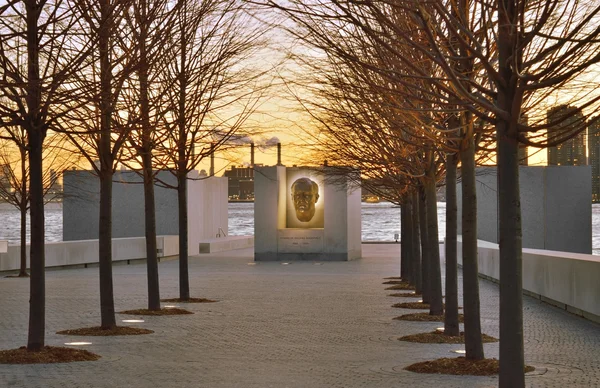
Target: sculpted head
305,193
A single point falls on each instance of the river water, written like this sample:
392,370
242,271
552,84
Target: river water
380,221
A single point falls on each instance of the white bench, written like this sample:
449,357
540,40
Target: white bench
229,243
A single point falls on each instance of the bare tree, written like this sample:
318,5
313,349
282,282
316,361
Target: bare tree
14,168
14,189
213,89
535,50
37,56
522,53
149,23
95,128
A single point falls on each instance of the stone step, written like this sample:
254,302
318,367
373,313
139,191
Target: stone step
222,244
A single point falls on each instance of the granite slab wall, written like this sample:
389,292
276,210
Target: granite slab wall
207,206
556,207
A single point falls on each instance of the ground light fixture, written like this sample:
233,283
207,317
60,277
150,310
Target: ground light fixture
133,320
440,329
459,351
171,306
77,343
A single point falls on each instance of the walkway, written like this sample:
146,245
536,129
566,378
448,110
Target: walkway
297,325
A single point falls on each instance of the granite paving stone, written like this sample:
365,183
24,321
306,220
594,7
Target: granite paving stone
303,324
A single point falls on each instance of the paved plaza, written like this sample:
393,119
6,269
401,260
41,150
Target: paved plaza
303,324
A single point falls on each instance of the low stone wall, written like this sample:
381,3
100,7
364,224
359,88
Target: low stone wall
83,252
226,244
567,280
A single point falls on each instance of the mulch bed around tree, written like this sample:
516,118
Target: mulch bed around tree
411,305
460,366
190,300
438,337
401,286
18,276
395,282
163,311
48,355
100,332
406,295
425,317
415,305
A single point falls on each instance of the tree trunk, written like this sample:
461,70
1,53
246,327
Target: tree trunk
512,360
410,259
451,325
35,136
107,301
23,208
184,281
418,276
473,342
37,298
436,303
405,243
23,250
150,229
146,149
425,245
182,158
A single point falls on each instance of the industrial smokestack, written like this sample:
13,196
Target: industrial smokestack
212,160
252,155
279,154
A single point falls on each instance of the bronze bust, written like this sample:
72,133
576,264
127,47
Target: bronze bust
305,193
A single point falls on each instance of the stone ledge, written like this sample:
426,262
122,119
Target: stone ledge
66,254
566,280
321,256
223,244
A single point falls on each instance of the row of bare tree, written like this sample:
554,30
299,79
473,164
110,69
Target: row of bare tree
152,84
14,178
406,91
409,90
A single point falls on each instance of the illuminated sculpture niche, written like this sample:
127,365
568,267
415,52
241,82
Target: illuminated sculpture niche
298,215
305,200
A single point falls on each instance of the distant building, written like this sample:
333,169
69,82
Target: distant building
594,155
240,183
572,151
